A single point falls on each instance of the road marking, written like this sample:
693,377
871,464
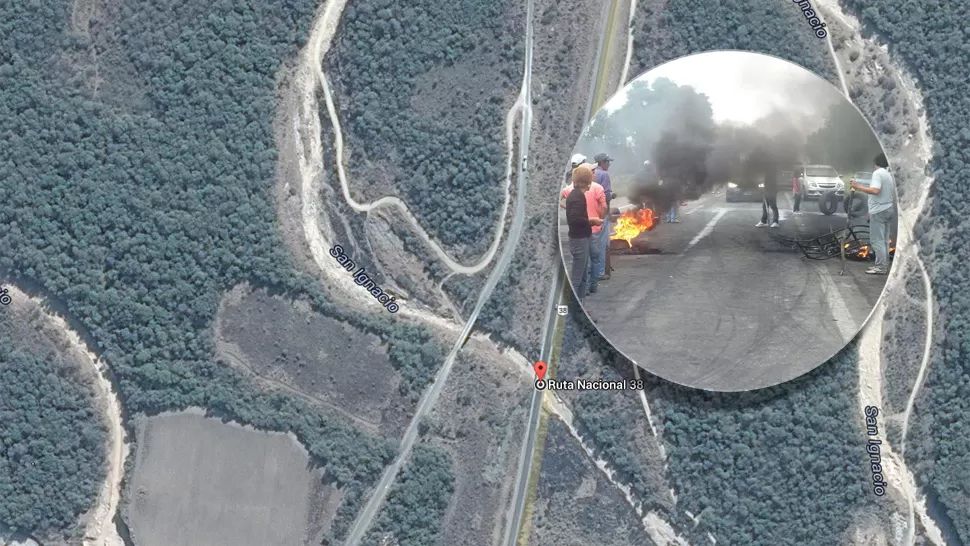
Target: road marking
693,210
707,229
840,311
834,299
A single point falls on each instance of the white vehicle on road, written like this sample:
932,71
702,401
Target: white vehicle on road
821,179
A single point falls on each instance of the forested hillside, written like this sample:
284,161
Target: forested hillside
781,465
51,441
931,38
417,502
425,87
134,192
665,31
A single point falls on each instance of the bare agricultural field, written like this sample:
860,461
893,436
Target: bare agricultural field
328,360
197,480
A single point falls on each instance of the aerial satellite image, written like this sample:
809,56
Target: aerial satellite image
509,273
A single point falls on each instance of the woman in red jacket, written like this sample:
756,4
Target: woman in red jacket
796,189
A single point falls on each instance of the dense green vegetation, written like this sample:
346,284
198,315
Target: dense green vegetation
51,442
137,217
928,37
417,502
425,84
784,465
846,142
676,28
741,460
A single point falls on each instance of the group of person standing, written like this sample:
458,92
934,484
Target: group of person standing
881,193
587,202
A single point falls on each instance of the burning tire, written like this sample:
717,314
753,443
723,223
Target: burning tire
631,224
828,203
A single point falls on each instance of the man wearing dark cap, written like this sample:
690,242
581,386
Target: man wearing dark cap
882,193
599,258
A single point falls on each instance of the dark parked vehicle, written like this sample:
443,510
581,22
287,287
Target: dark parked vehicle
739,192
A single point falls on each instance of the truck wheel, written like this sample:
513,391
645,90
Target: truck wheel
828,203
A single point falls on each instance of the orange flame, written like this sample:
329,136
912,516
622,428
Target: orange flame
633,223
863,251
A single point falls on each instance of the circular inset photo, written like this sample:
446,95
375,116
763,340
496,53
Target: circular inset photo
728,221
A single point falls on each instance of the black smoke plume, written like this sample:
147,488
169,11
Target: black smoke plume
693,154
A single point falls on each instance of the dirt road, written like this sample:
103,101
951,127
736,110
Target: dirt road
99,529
870,343
629,45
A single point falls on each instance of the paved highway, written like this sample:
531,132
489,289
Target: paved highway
597,96
726,306
557,296
366,516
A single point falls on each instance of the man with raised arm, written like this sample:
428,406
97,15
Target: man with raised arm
882,198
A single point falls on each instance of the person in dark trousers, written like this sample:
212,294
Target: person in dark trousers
882,199
580,230
600,260
769,199
797,185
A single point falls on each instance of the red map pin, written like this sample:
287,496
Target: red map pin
540,368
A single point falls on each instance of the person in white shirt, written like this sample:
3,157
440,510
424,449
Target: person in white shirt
882,198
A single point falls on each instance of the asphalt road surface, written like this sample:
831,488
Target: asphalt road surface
728,307
364,518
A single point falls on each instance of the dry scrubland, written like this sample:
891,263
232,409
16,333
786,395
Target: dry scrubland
479,420
576,505
903,335
615,425
329,360
875,88
197,480
613,421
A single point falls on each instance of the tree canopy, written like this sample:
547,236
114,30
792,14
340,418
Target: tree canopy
51,442
137,192
931,39
417,502
446,159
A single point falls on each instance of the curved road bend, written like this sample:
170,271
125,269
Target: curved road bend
600,81
99,527
318,48
870,346
366,516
